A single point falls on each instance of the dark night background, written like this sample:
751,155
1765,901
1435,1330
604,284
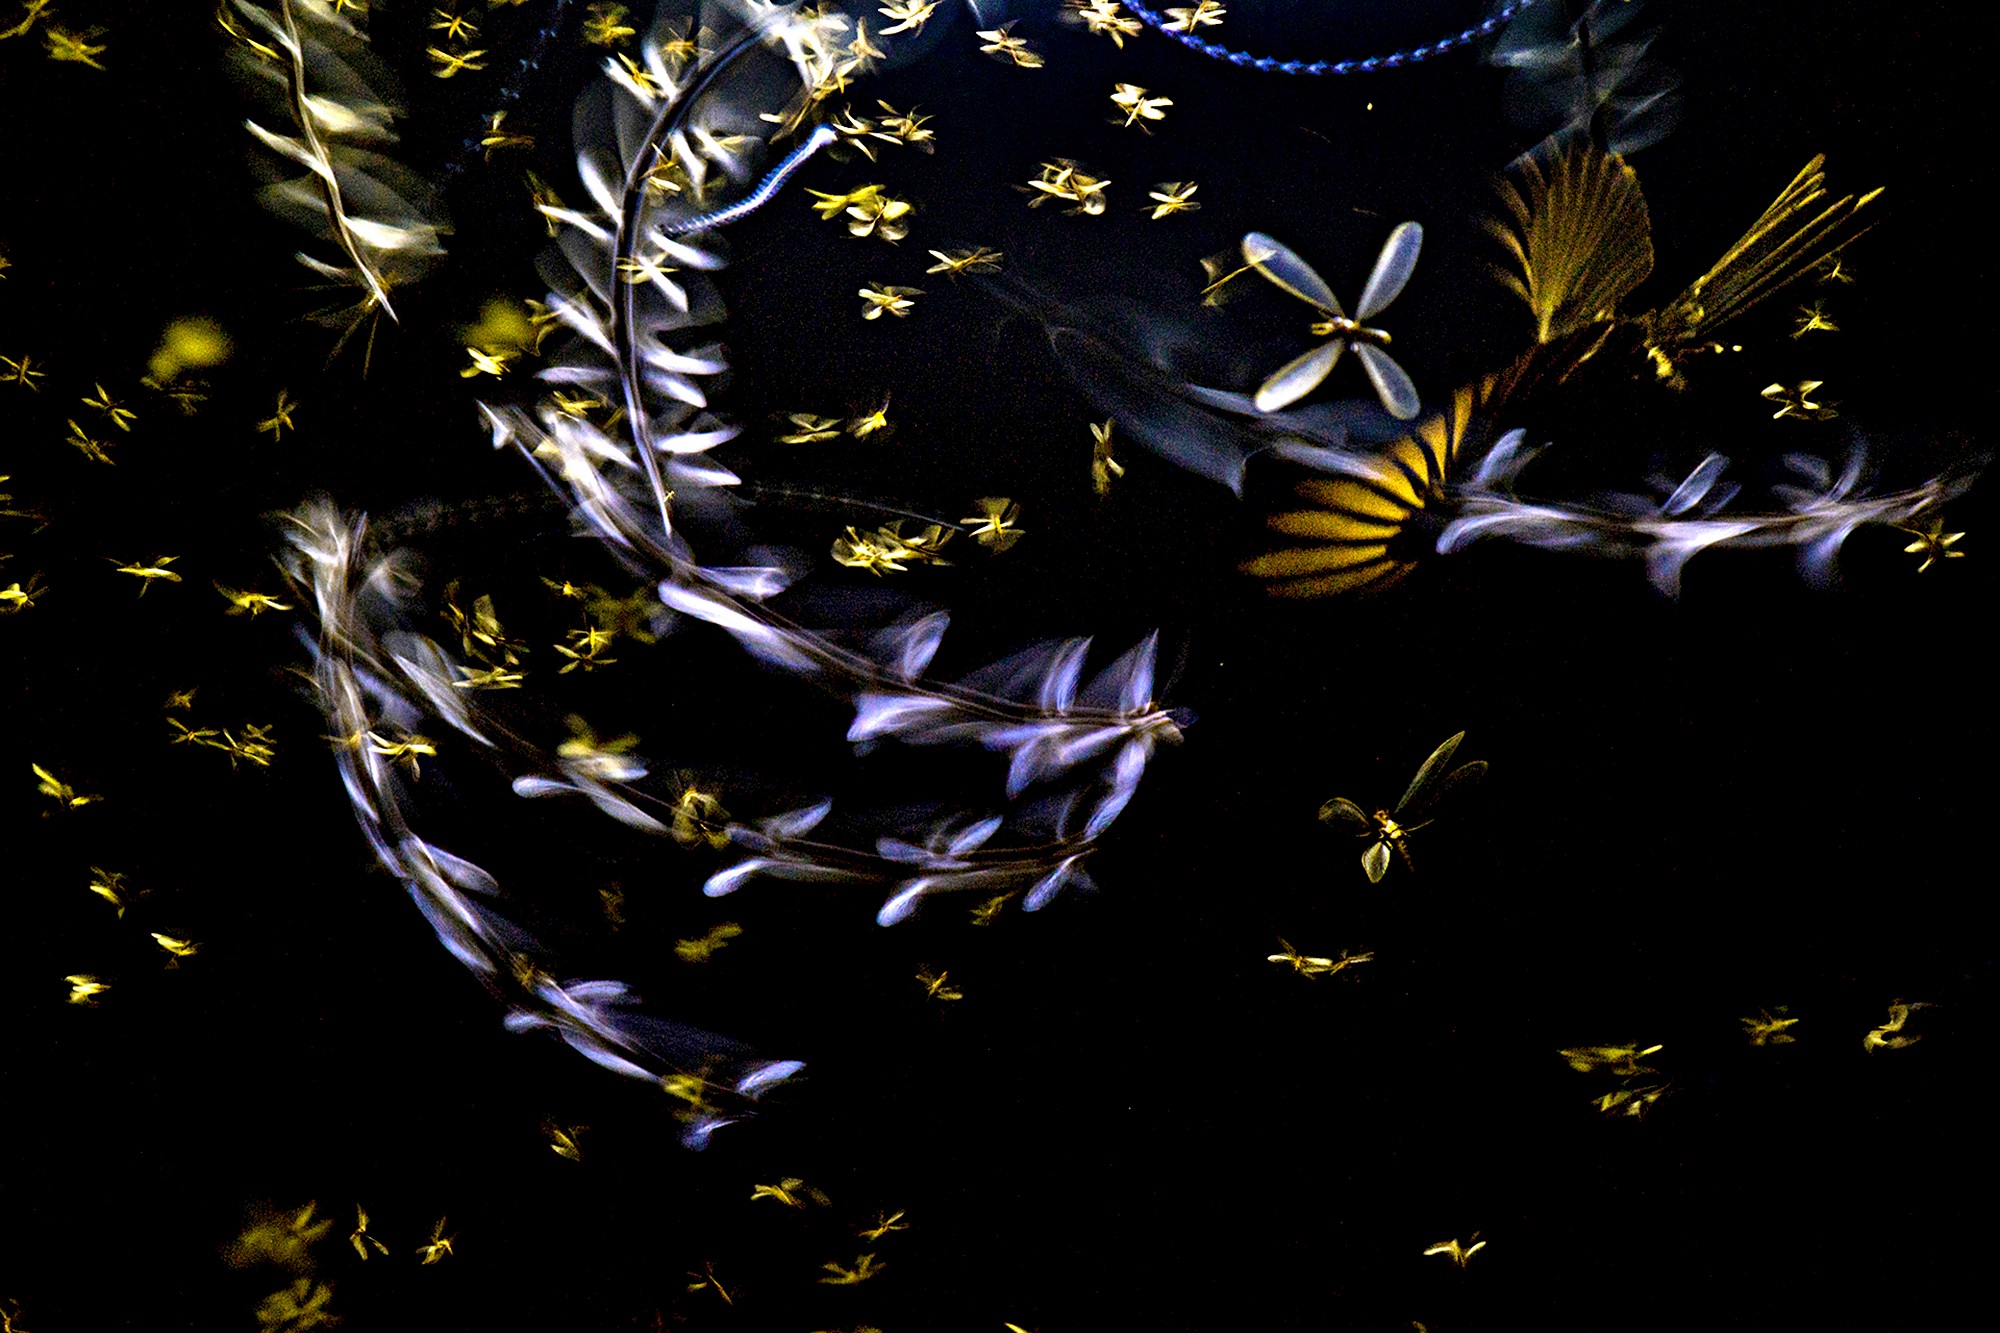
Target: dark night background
1760,795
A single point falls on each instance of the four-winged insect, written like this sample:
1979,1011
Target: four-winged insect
1299,378
1392,828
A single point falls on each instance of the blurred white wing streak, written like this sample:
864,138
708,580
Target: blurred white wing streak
369,680
668,150
331,113
1816,513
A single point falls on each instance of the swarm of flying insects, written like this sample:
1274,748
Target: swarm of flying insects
1391,828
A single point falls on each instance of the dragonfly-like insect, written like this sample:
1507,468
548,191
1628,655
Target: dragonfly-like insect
1298,378
1392,828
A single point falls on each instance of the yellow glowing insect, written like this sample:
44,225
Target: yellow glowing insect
879,215
497,138
1631,1102
998,43
1309,965
493,363
406,750
359,1237
937,986
995,525
791,1192
1889,1036
450,63
699,817
703,947
35,9
1064,179
989,911
438,1246
1454,1251
149,574
956,262
864,1268
1106,17
706,1280
1796,401
121,417
73,47
1173,197
606,25
1103,467
84,988
20,371
905,127
1814,319
191,735
181,699
1391,829
1132,102
907,15
455,27
884,1224
811,429
252,604
1932,543
872,423
176,947
93,449
564,1141
110,886
65,796
1203,14
877,299
1764,1030
1620,1060
299,1306
16,597
280,419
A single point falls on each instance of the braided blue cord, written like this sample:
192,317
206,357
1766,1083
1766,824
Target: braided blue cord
1395,59
774,181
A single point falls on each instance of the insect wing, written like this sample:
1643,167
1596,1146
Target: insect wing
1340,810
1376,862
1392,269
1392,385
1439,761
1462,776
1299,378
1288,271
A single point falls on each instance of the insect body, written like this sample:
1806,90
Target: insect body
1391,829
1298,378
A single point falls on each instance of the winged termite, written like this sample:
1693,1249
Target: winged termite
1391,829
1300,377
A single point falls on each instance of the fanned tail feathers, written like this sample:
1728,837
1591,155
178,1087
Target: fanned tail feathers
1359,528
1581,238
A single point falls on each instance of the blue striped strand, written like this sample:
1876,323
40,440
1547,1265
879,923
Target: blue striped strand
1394,60
774,181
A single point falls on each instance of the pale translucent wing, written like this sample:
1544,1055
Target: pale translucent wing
1392,269
1376,862
1392,384
1299,378
1340,810
1462,776
1440,760
1290,272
